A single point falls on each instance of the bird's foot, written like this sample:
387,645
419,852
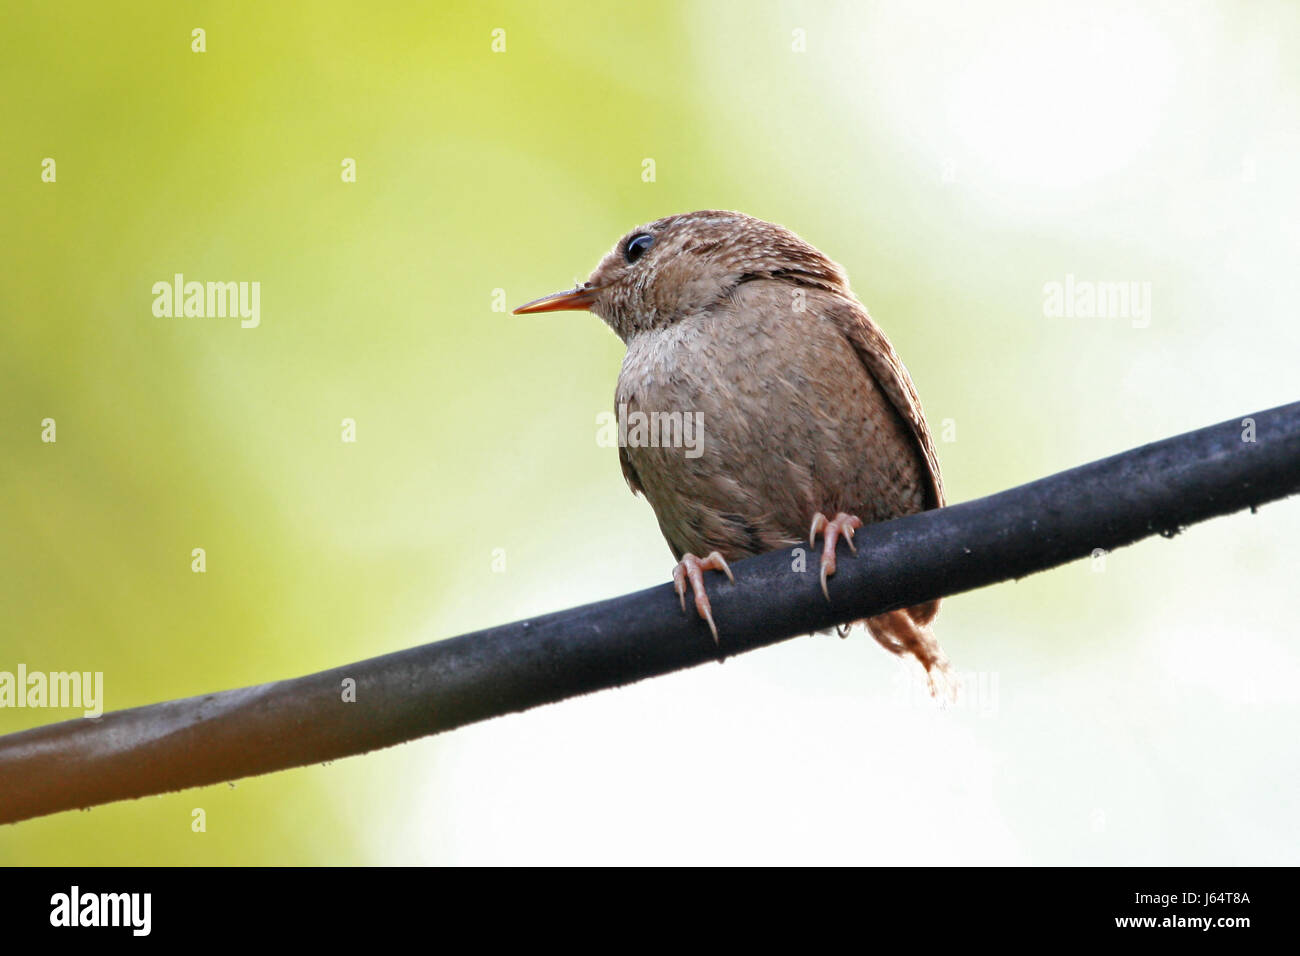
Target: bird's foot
831,529
690,568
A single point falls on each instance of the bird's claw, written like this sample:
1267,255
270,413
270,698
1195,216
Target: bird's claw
692,569
832,529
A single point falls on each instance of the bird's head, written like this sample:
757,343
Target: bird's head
685,264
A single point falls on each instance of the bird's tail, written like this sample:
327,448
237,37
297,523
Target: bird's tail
907,631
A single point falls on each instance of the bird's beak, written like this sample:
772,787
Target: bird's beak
579,298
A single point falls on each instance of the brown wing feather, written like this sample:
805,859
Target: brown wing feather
891,375
629,473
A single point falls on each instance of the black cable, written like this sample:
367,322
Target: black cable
1158,488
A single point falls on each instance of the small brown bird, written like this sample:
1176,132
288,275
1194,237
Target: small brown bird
810,422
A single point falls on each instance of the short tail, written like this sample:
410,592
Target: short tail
907,631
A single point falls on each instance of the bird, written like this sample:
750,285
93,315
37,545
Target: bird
810,422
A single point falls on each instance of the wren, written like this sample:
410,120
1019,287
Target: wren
813,424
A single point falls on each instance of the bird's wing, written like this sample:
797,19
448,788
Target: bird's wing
891,375
629,473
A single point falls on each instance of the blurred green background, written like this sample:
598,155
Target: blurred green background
955,158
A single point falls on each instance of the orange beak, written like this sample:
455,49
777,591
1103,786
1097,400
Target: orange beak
579,298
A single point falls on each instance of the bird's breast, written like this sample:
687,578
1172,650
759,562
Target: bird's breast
783,420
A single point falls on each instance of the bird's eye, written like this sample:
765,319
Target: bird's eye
636,247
